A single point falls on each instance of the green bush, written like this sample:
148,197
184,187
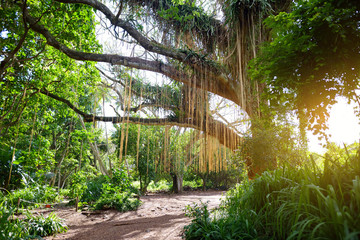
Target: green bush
94,189
117,192
124,201
194,184
161,185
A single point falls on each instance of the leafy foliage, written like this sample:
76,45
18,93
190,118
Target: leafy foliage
93,189
29,228
117,192
17,170
12,230
302,59
184,16
77,185
113,198
33,195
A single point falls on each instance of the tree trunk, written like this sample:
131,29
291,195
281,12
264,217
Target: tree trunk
177,182
95,150
204,182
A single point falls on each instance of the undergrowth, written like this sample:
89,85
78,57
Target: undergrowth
31,227
32,196
308,202
110,193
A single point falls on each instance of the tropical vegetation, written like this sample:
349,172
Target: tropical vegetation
102,101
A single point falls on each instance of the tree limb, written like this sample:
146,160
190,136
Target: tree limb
152,46
212,127
217,84
145,105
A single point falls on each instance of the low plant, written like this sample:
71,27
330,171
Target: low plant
11,229
116,192
44,226
161,185
194,184
94,189
31,227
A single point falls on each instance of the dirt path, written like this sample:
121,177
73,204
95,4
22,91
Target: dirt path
161,216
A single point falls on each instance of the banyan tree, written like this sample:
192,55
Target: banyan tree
197,50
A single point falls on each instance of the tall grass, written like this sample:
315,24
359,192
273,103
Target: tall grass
308,202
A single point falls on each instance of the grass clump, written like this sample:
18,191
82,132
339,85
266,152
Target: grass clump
44,226
208,225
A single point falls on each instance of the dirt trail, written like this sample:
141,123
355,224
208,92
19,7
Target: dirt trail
161,216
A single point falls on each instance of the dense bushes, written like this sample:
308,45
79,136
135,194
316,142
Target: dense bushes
104,192
310,202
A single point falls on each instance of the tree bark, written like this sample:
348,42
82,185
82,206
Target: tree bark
177,182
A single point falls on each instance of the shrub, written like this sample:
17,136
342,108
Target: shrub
161,185
94,189
117,192
125,201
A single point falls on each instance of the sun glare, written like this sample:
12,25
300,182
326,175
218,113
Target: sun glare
343,125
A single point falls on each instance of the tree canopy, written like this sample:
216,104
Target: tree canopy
312,56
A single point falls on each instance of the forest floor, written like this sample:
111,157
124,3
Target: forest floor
161,216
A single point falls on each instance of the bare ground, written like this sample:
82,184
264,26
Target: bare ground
161,216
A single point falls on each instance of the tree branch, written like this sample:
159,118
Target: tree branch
152,46
67,102
212,127
217,83
145,105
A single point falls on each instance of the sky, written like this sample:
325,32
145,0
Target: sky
343,125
